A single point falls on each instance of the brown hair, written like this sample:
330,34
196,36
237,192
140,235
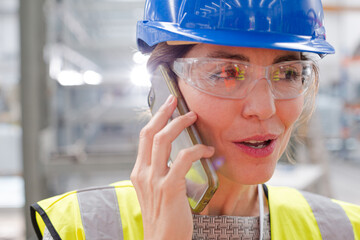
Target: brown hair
164,53
299,131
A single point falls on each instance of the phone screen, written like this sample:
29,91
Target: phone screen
201,180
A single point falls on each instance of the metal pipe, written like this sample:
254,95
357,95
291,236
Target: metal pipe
33,99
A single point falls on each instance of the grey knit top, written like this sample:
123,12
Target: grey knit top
229,227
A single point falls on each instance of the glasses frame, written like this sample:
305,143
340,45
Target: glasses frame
182,67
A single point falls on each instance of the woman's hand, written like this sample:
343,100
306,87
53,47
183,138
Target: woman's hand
161,190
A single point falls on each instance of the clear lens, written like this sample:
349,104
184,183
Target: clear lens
291,79
234,79
219,77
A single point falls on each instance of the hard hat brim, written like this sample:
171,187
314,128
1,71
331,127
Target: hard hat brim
164,31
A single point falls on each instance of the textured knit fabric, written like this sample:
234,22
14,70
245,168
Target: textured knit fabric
229,227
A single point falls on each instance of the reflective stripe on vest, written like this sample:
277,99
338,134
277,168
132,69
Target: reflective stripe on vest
300,215
113,212
330,217
100,213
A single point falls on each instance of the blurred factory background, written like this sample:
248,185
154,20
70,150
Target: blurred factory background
73,94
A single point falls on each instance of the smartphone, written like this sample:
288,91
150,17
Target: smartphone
201,180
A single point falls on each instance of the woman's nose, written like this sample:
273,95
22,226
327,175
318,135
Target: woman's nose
259,102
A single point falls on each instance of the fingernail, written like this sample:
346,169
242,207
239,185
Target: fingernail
170,99
191,115
218,162
211,148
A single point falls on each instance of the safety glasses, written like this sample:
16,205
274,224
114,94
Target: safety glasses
234,79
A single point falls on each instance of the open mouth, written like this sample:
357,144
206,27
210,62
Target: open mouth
257,144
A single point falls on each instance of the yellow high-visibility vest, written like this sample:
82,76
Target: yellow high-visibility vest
113,212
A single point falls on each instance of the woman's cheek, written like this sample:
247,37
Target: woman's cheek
211,112
289,112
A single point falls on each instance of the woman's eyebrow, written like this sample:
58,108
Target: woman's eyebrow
289,57
226,55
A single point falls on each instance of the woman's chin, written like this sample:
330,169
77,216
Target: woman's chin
249,175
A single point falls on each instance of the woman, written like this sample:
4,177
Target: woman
244,71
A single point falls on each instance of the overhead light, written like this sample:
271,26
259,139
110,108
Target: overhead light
140,58
70,78
92,78
55,67
140,76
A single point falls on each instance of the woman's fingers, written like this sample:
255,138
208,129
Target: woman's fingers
157,122
163,139
186,157
162,191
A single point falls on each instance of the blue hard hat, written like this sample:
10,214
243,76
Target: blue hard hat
295,25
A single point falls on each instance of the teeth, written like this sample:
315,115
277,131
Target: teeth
257,144
253,142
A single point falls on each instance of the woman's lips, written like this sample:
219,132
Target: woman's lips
257,146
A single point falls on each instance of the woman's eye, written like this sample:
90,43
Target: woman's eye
286,74
291,74
233,73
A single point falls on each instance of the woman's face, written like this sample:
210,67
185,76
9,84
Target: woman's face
250,133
